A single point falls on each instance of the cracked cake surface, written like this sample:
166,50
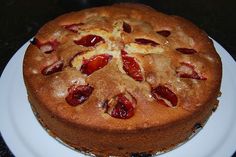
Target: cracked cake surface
122,79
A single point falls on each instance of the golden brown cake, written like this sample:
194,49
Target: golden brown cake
122,80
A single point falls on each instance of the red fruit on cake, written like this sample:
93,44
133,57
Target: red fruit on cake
122,80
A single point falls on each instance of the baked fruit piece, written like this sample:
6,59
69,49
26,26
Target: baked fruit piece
122,79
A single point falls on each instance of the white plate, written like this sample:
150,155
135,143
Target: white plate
26,138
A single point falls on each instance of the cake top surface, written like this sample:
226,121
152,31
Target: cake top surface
126,65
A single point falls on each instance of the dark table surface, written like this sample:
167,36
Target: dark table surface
20,20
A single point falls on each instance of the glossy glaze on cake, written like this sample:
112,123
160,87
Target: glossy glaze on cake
122,79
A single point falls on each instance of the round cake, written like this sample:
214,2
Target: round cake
122,80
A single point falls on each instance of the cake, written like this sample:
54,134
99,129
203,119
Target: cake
122,80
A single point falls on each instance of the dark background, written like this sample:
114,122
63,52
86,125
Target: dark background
20,20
